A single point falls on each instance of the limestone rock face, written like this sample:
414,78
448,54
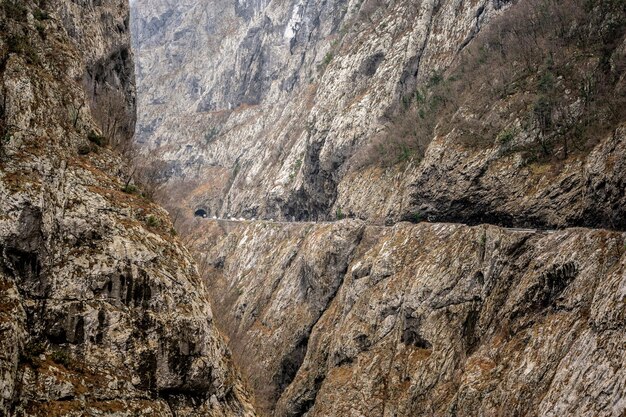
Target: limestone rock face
101,308
441,319
257,106
489,188
457,184
260,109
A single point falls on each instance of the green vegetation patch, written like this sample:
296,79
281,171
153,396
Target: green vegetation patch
41,14
15,10
152,221
21,45
62,357
130,189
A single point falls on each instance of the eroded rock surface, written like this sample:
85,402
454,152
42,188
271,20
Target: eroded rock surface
428,319
102,311
262,110
258,106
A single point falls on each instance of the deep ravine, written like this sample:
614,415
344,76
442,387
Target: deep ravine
432,195
434,319
449,205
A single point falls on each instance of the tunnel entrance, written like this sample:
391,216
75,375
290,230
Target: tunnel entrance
200,213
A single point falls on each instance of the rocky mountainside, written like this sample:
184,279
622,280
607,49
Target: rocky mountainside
484,114
482,111
344,318
102,311
257,106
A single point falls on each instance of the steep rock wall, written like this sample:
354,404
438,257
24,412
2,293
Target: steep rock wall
430,319
101,308
258,106
263,109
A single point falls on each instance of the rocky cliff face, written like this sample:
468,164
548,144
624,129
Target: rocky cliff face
431,319
103,312
101,308
258,106
269,109
468,112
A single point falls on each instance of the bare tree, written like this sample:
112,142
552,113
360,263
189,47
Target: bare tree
112,112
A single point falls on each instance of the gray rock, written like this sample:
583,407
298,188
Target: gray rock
258,107
270,103
102,311
428,319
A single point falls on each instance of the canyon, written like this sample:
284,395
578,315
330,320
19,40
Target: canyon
355,272
346,318
277,110
312,208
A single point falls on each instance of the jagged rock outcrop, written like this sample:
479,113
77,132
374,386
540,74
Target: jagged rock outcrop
459,184
102,311
430,319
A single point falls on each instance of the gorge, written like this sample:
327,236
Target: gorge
372,208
